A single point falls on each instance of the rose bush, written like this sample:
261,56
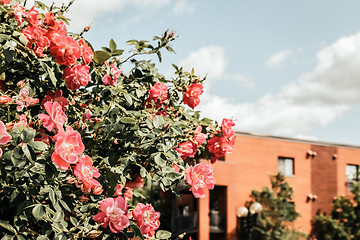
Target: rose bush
78,135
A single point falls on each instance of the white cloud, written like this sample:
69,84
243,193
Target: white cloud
183,6
314,99
208,61
83,12
276,60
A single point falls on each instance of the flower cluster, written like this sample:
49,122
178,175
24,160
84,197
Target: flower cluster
49,34
220,145
79,134
114,213
200,177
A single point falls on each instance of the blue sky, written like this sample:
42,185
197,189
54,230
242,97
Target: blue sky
278,67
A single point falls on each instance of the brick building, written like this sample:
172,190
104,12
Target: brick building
311,167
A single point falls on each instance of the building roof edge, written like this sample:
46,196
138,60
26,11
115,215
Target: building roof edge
314,142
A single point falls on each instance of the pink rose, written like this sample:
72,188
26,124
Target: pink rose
199,137
19,12
113,214
87,53
158,94
138,182
98,189
37,40
128,194
3,2
191,96
226,127
5,100
186,149
86,173
219,146
87,114
56,116
146,218
199,177
32,16
64,49
76,76
68,147
112,74
55,97
4,136
118,190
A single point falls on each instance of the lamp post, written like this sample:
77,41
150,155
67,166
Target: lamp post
248,218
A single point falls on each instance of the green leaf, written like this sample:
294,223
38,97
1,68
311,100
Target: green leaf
117,52
158,121
38,145
52,196
7,226
128,98
112,45
8,237
20,237
42,237
159,160
131,42
101,56
162,234
128,120
27,135
38,212
29,153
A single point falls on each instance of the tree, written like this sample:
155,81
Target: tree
278,211
344,221
77,134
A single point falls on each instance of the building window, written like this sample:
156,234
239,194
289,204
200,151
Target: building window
352,175
286,166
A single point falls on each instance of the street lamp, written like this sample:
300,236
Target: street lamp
248,218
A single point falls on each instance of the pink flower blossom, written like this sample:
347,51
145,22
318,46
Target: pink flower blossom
68,147
138,182
87,114
98,189
118,190
5,100
56,116
191,96
87,53
199,177
4,136
199,137
186,149
23,100
158,94
3,2
65,49
113,73
37,40
113,214
226,127
146,218
86,173
55,97
128,194
32,17
76,76
219,146
19,12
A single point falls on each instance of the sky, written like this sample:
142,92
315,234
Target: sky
286,68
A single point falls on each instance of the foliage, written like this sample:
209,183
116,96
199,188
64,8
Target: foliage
344,221
278,211
77,134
